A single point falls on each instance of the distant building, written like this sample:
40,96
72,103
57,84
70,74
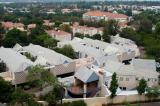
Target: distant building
87,30
60,35
11,25
31,26
99,15
129,75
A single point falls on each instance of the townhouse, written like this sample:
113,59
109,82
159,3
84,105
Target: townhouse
86,30
129,75
60,35
56,63
17,65
11,25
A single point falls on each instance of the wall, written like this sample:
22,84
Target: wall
98,101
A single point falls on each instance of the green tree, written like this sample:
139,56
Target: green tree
114,85
19,97
5,91
67,50
145,26
152,92
15,36
96,37
66,28
157,30
2,32
55,95
111,28
40,77
142,86
79,35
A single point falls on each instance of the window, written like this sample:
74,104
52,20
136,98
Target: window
137,78
127,79
121,78
148,79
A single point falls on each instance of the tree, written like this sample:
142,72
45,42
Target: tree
142,86
40,77
67,50
57,24
79,35
55,95
19,97
145,26
152,92
5,91
129,33
114,85
66,28
3,67
111,28
96,37
15,36
2,32
157,30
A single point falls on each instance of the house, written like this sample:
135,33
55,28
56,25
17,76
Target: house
56,63
85,85
11,25
17,65
47,23
31,26
60,35
99,15
129,75
86,30
82,50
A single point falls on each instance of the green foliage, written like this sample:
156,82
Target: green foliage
67,50
22,98
114,85
111,28
29,56
57,24
54,96
157,30
15,36
5,91
142,86
79,35
3,67
96,37
153,92
145,26
129,33
40,77
66,28
2,32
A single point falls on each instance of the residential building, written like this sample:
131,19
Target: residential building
86,30
31,26
99,15
17,65
129,75
56,63
11,25
60,35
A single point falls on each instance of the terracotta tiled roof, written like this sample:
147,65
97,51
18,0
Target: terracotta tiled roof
7,25
30,26
107,14
58,33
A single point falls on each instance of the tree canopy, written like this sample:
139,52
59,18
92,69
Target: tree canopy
142,86
114,85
